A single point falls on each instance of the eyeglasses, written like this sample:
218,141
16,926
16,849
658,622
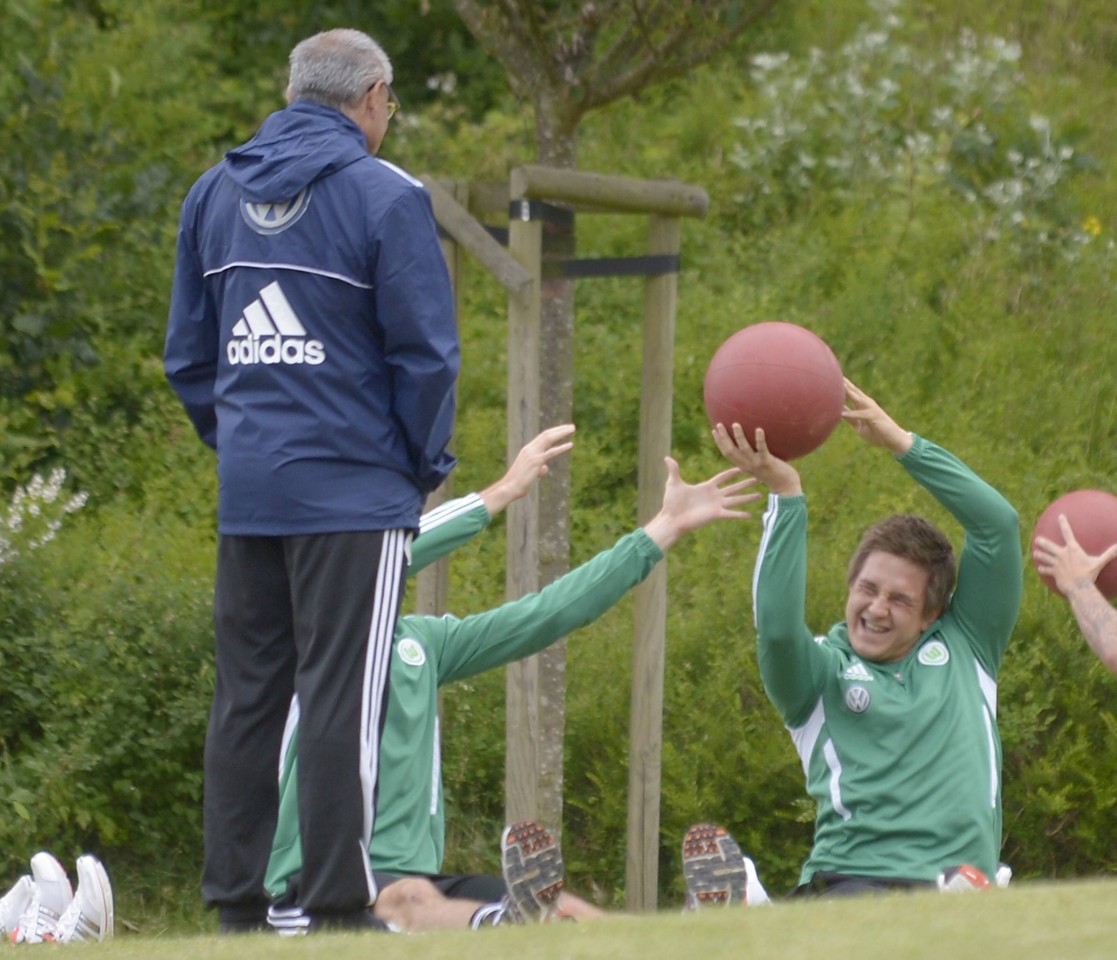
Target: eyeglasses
393,100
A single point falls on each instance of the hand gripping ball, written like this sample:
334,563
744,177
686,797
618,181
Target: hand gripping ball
1092,515
782,378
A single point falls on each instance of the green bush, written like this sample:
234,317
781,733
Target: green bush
112,627
32,520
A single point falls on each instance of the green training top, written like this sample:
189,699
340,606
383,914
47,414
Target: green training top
409,834
903,759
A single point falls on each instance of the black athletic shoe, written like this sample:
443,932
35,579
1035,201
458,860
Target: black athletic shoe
336,922
245,918
294,922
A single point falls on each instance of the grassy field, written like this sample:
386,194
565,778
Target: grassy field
995,342
1030,921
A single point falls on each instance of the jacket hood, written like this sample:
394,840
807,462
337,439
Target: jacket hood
294,147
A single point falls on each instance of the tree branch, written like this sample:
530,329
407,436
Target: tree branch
549,49
636,60
511,32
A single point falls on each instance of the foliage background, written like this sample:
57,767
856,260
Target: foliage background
911,209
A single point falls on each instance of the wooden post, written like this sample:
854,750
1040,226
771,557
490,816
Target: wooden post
432,584
468,234
520,271
522,707
606,192
649,642
556,405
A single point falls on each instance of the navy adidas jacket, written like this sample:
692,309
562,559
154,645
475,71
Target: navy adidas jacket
312,336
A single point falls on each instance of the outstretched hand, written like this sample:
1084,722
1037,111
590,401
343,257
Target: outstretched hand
530,465
688,506
876,427
1069,565
777,475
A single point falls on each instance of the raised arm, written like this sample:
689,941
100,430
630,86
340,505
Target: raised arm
872,423
779,476
530,465
986,599
454,523
688,507
525,626
792,664
1075,573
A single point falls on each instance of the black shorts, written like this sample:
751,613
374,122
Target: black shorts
827,884
479,887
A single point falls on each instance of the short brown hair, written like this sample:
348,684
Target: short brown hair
918,540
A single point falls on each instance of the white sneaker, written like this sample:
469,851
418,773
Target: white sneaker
14,902
50,897
962,879
90,914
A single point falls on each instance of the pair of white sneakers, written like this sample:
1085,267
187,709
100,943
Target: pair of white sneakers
42,907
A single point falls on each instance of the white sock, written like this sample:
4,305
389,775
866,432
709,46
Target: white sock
755,894
486,915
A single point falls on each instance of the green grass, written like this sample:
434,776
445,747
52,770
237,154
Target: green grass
1031,921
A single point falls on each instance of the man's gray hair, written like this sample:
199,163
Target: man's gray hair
337,68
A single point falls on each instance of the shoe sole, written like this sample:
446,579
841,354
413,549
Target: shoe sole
52,882
53,894
89,918
714,867
533,870
14,903
110,911
99,879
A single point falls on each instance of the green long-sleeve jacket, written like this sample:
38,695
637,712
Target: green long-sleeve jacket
902,759
409,832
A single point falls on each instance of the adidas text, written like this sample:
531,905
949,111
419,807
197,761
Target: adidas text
276,349
269,331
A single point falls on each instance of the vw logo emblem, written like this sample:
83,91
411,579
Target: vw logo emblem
270,218
858,699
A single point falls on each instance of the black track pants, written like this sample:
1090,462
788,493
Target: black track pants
313,615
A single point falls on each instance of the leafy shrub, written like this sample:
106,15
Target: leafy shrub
881,111
114,630
33,518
